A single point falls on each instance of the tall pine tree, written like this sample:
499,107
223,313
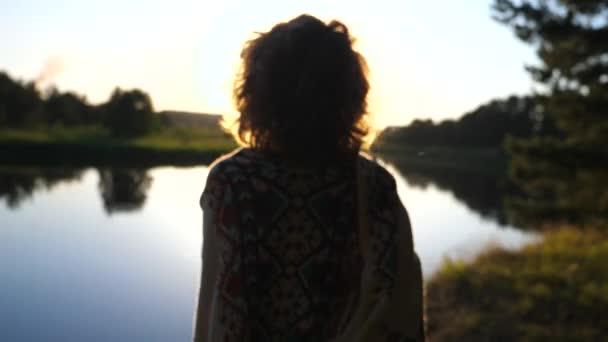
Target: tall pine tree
565,179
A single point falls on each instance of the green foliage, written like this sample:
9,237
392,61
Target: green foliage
129,114
564,181
555,290
55,133
94,145
20,103
68,109
486,127
126,114
168,139
565,178
188,138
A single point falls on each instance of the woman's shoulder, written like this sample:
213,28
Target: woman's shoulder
374,172
230,162
234,166
220,173
239,160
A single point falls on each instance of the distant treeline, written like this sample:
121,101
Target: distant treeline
127,113
486,126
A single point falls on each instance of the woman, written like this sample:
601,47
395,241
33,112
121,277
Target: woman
304,239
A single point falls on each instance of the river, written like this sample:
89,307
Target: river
113,254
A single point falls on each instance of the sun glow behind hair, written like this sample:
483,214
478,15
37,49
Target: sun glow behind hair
434,59
229,36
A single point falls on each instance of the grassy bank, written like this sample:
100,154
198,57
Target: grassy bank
554,290
94,145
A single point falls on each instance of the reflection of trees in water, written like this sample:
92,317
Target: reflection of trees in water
19,184
123,189
540,188
481,192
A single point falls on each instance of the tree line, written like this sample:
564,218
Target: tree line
127,113
558,154
486,126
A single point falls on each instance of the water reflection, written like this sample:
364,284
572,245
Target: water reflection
123,190
78,273
482,191
20,183
445,223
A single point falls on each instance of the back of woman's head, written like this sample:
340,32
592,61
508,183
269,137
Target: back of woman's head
302,91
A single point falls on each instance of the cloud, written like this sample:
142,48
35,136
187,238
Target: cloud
52,67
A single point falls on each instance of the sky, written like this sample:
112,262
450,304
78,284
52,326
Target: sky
432,59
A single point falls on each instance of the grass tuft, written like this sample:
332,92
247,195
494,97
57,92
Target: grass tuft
556,290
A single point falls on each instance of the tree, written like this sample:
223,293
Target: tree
129,113
66,108
20,103
565,179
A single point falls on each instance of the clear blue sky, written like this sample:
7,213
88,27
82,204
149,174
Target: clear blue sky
429,59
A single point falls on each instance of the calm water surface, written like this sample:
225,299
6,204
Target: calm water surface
114,254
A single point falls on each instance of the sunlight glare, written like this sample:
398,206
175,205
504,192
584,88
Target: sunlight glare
228,36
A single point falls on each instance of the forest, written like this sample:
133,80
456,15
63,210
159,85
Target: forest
554,289
50,126
127,113
485,127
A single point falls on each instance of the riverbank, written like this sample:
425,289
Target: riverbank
485,160
94,146
553,290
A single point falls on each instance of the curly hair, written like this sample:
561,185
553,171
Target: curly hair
302,90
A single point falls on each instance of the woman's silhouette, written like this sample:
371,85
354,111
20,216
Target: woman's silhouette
304,238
